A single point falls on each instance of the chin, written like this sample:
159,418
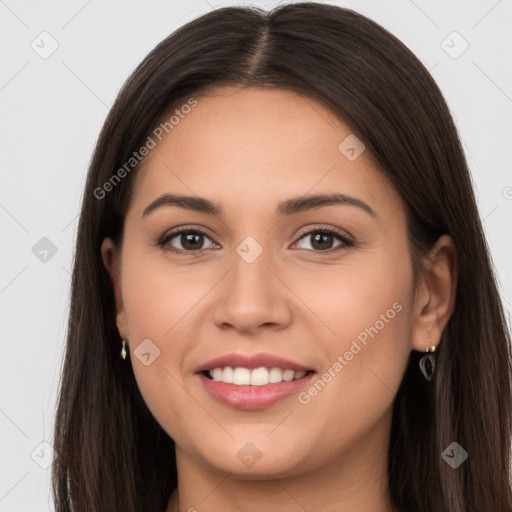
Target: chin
253,461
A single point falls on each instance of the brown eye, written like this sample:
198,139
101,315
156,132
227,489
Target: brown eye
322,240
191,241
188,241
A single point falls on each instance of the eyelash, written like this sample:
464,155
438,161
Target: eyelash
347,242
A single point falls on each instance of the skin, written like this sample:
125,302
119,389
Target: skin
247,150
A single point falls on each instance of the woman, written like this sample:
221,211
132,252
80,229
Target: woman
282,297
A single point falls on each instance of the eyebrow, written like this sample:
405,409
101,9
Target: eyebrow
285,208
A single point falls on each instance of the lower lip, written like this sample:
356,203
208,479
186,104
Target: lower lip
253,397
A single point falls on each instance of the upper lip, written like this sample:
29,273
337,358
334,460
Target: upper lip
251,361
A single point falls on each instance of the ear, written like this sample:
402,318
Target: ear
112,261
435,295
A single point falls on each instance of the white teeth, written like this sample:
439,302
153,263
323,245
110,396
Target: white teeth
276,375
241,376
257,377
227,375
288,375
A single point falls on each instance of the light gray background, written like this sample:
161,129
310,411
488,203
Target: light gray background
52,110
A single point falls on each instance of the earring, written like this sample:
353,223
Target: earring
428,362
123,350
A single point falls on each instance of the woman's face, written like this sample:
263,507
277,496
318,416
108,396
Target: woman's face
265,279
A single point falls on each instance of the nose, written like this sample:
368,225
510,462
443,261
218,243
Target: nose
252,297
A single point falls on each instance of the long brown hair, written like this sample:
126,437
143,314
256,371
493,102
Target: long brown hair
112,454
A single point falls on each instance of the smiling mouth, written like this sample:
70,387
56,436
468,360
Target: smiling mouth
262,376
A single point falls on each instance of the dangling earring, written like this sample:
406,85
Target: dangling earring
428,362
123,350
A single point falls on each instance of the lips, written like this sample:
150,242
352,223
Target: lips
259,394
253,397
251,362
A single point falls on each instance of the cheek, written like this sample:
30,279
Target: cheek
158,295
356,389
368,311
366,297
161,303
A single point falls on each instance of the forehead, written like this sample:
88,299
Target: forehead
252,147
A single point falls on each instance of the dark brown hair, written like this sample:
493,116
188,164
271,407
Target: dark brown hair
112,454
